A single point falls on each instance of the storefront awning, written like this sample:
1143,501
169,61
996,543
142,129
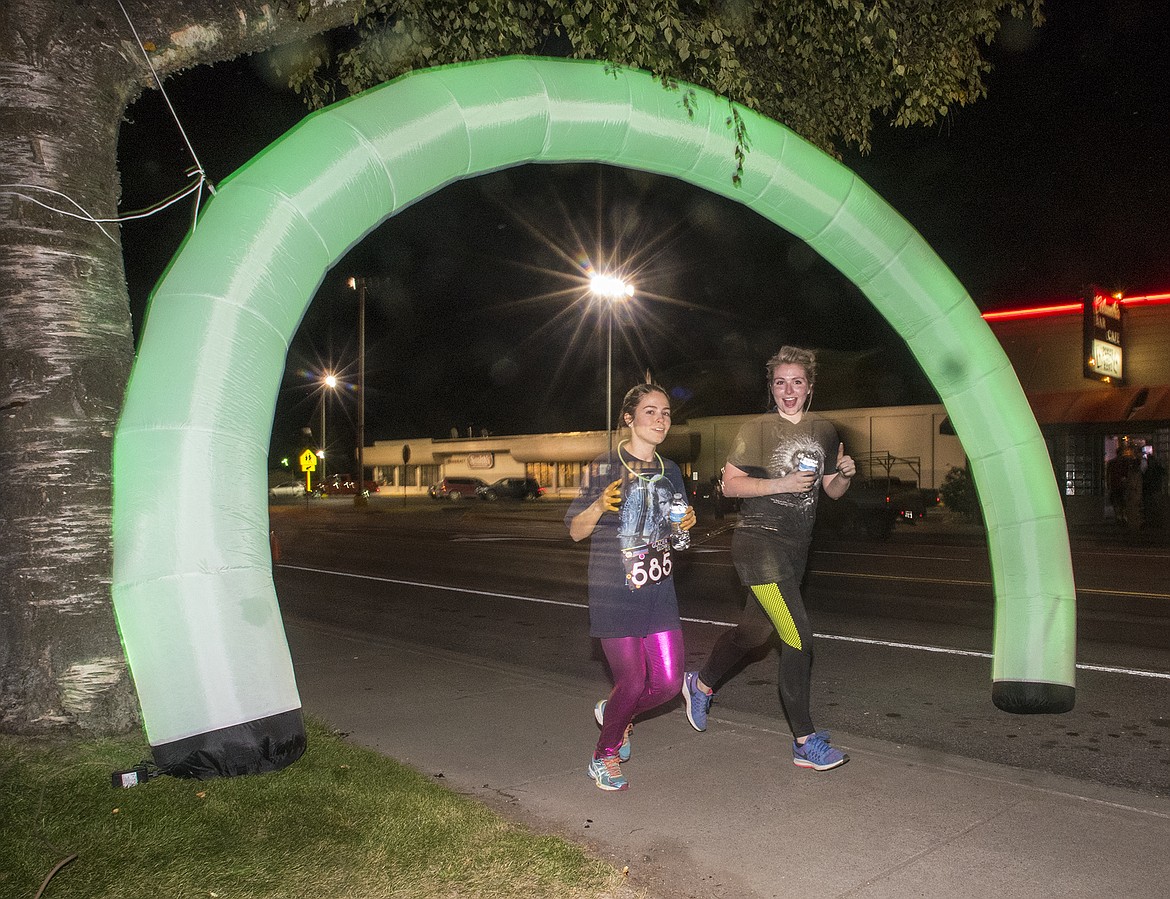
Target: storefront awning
1108,405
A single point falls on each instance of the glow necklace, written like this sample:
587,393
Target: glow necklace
639,475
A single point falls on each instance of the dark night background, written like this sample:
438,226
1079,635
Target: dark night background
475,313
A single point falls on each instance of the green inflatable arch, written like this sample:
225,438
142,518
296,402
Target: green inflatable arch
192,581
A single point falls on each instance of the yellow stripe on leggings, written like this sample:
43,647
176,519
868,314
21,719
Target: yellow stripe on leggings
773,603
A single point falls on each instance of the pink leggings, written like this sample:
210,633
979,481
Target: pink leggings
647,671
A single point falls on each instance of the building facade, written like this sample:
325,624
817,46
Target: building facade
1108,437
906,442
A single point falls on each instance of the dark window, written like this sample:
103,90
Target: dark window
1079,464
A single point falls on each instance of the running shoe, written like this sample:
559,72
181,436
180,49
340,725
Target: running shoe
816,753
624,750
698,701
607,773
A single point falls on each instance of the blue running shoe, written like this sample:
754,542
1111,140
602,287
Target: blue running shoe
625,749
698,702
607,773
816,753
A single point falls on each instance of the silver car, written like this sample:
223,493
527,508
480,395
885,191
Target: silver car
287,488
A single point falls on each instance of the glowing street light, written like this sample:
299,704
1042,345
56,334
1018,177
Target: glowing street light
330,381
612,290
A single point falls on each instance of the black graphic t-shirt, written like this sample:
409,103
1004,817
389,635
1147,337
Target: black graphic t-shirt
771,447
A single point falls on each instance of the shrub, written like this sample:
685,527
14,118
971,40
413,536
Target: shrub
960,496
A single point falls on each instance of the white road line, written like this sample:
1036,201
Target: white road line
918,647
915,647
1135,593
914,579
910,557
1115,554
1136,672
502,538
423,584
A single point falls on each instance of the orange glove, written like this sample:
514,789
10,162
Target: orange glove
611,496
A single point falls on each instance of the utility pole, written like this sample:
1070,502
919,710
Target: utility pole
359,498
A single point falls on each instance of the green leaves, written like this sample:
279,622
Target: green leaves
825,68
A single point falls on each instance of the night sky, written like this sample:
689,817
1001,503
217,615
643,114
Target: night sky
475,313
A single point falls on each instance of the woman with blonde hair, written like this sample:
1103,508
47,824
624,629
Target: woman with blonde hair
779,464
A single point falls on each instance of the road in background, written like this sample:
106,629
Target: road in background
905,625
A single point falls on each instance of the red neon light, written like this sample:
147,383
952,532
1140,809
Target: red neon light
1152,299
1035,312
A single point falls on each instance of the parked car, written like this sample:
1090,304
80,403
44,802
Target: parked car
871,508
707,496
511,488
456,488
908,499
343,485
287,488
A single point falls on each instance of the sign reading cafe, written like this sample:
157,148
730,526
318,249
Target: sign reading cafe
1103,353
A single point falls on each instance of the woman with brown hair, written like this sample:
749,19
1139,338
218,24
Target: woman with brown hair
633,610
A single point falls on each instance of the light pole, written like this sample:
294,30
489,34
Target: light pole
359,498
612,290
329,381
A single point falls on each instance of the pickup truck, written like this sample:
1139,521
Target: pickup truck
871,508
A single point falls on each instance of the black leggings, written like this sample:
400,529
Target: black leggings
772,608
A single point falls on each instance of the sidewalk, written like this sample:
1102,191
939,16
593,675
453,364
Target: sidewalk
725,813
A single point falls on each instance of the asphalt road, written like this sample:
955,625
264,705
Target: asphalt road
904,626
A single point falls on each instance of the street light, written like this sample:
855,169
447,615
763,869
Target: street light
359,284
612,290
330,381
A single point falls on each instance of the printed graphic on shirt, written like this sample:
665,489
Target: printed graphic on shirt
644,531
797,451
645,512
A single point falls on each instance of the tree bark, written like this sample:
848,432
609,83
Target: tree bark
68,70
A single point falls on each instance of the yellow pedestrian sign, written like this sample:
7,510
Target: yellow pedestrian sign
308,462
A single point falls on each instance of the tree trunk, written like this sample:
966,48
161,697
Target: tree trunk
68,69
65,348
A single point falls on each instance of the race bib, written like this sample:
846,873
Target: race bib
647,564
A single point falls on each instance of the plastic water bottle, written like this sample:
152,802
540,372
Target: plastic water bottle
679,538
808,465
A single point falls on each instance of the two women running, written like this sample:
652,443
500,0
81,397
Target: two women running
779,464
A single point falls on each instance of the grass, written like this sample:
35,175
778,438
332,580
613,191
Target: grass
341,822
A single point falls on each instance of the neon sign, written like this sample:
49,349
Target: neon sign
1103,351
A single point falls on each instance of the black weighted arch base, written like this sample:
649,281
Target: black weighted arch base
1032,697
254,747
